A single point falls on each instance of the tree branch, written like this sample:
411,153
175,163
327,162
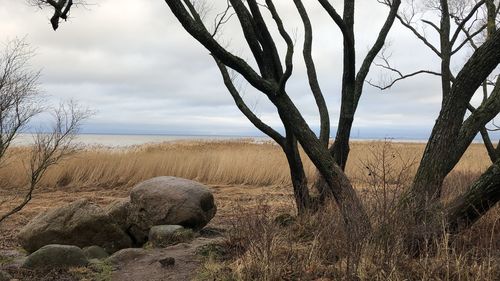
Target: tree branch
324,134
245,109
464,21
201,34
375,49
289,43
419,36
480,117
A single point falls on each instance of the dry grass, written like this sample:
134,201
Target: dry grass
257,245
264,243
217,162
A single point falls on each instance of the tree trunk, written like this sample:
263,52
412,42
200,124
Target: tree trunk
481,196
298,176
340,148
422,199
356,223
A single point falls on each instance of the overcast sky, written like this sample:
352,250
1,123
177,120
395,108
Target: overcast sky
132,63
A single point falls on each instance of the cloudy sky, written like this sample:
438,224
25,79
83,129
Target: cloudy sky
133,64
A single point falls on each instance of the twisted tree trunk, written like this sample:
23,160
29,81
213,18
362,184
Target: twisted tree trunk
483,194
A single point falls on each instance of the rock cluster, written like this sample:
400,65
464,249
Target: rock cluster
164,210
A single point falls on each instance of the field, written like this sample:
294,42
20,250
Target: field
252,188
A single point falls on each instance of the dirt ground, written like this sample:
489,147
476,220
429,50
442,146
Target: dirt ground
230,200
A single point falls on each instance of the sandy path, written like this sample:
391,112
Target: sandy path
148,267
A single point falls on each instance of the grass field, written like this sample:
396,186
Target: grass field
252,189
219,162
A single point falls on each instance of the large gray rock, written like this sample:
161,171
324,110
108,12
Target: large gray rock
56,256
168,201
81,223
118,211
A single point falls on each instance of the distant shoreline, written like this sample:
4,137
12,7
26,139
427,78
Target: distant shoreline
128,140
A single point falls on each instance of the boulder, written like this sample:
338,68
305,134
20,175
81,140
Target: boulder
81,223
95,252
118,211
168,201
56,256
165,235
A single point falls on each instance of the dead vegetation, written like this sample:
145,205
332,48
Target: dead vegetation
217,162
264,239
265,242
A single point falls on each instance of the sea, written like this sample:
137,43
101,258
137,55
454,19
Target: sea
129,140
123,140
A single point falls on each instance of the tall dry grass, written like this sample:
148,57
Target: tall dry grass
216,162
258,246
266,244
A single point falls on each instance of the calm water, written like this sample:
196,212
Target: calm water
118,141
131,140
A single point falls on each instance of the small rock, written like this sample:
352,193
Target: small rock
95,252
164,235
126,255
56,256
5,276
168,261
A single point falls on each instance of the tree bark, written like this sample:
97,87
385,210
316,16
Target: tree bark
355,217
352,86
451,135
484,193
288,144
298,176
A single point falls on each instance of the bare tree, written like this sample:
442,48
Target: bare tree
270,77
460,23
19,103
19,92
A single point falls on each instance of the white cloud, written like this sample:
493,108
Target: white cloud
134,65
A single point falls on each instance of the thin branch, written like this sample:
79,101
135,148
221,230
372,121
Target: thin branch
324,135
480,116
386,65
468,38
222,18
419,36
375,49
289,44
228,81
432,25
50,149
464,21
